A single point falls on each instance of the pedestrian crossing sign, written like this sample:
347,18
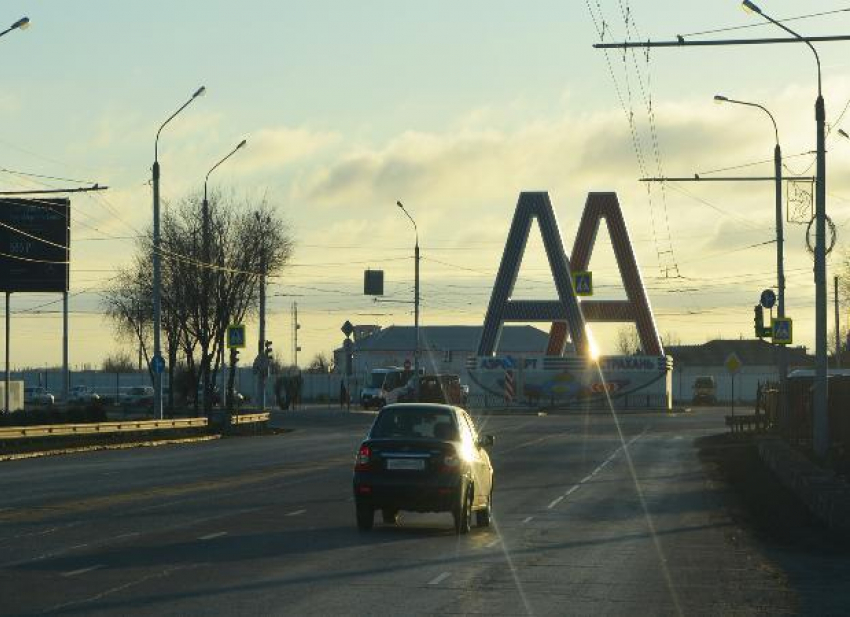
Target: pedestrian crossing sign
781,330
236,336
583,283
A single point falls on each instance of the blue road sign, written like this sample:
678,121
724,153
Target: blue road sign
583,283
157,364
768,298
782,330
236,336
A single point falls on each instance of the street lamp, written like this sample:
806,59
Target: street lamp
22,24
821,419
782,356
415,303
205,214
157,362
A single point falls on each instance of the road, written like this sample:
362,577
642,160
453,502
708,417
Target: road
593,515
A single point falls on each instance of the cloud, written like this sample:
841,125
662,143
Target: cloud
275,147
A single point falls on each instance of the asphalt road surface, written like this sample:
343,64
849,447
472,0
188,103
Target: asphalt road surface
592,515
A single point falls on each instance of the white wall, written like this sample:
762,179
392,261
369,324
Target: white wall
746,382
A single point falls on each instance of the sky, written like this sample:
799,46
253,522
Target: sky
453,108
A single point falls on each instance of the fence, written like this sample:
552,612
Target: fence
797,426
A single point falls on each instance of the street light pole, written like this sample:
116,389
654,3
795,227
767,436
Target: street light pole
262,364
205,214
782,356
415,303
157,276
821,418
22,24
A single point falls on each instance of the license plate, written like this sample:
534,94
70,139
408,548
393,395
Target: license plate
406,463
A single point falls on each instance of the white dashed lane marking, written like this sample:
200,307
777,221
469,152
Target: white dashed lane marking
211,536
527,519
81,570
439,579
593,473
296,513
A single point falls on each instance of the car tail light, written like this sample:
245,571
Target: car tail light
364,459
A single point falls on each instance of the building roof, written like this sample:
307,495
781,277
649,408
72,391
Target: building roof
749,352
515,339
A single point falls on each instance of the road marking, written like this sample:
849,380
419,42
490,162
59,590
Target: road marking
527,519
296,513
82,570
493,543
586,478
211,536
555,502
132,534
439,579
572,490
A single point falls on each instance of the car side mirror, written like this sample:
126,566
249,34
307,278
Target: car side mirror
486,441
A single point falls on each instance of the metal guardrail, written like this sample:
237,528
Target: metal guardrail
50,430
249,418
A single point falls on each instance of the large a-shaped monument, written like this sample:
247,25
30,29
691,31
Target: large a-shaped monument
567,374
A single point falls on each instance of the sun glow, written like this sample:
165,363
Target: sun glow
592,347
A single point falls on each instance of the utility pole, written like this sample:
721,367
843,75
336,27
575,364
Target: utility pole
781,353
262,362
157,362
837,328
206,361
295,327
415,303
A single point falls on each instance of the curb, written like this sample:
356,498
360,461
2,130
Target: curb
116,446
823,493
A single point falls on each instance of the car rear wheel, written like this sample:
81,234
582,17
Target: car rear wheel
389,516
484,515
365,517
463,513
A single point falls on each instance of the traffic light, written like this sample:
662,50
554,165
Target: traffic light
268,349
758,320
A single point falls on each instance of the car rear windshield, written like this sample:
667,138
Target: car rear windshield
413,423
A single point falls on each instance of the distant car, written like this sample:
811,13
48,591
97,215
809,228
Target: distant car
424,458
705,390
138,397
444,388
38,395
82,394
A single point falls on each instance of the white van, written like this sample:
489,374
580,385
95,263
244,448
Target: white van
384,386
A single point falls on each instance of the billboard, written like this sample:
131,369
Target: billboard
35,238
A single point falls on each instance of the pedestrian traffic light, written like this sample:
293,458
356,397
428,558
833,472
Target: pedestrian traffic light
758,320
268,349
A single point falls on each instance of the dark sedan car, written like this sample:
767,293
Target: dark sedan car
424,458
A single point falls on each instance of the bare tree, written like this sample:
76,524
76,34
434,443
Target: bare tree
320,364
671,338
118,362
127,301
211,274
628,341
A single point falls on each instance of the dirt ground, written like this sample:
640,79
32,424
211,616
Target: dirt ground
814,561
